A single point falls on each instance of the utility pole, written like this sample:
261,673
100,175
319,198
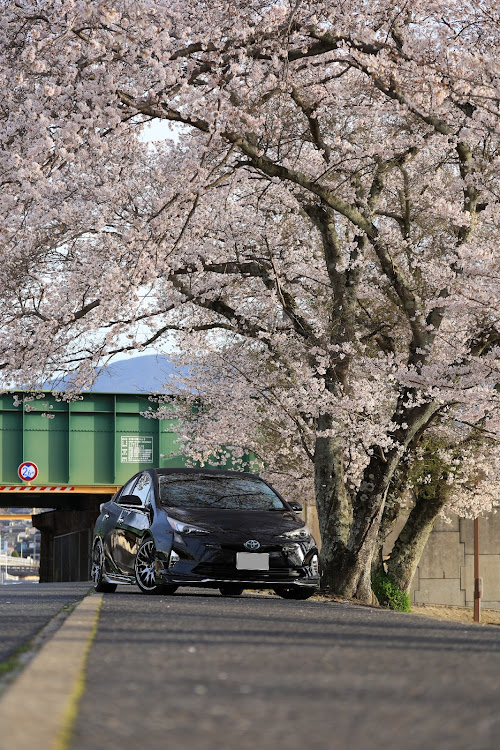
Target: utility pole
478,582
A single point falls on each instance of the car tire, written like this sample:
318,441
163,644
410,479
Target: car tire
144,569
231,589
167,589
294,592
97,571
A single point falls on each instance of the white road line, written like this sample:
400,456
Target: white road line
37,710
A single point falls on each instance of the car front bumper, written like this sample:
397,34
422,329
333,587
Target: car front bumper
203,562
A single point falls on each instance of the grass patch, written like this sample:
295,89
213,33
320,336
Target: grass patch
389,595
14,661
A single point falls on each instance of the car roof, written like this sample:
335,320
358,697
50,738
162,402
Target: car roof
214,472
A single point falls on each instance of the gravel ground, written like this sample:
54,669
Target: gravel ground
458,614
441,612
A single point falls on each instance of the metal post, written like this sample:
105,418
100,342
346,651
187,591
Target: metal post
477,580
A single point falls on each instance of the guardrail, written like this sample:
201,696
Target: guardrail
17,567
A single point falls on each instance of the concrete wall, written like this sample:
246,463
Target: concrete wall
310,516
445,574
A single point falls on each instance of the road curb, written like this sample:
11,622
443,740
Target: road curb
37,710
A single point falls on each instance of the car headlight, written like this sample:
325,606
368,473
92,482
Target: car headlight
302,533
185,528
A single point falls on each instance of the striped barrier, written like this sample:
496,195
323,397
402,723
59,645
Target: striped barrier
29,488
103,489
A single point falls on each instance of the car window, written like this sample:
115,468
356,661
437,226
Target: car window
209,491
127,489
143,488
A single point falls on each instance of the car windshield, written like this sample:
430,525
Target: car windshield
209,491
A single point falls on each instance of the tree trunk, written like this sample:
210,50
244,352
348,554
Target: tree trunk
346,567
348,571
408,548
389,517
391,513
333,502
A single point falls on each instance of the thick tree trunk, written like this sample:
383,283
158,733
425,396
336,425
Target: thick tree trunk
334,503
352,578
332,499
408,548
346,567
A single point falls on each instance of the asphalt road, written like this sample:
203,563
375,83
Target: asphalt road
198,671
26,608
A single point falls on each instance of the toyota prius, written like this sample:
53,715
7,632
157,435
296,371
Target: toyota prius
227,530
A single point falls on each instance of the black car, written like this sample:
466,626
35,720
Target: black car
167,528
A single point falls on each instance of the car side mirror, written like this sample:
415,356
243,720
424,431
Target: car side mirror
296,507
131,500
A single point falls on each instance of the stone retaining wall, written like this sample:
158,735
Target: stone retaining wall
445,574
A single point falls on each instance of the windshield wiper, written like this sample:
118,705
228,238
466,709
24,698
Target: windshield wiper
240,494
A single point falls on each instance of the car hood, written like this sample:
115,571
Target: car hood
268,522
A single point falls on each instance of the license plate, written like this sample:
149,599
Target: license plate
252,561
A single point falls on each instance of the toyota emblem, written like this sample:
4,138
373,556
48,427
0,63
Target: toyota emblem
252,545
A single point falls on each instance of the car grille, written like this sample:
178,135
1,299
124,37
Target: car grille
227,572
240,547
221,563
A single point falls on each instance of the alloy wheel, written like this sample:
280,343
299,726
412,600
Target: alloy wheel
145,567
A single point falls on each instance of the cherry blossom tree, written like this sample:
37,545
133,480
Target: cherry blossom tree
328,218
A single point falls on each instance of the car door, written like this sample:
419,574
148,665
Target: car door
110,534
132,523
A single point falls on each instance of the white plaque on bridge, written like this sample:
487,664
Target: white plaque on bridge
136,449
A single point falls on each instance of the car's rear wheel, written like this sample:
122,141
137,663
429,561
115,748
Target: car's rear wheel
231,589
145,573
294,592
97,572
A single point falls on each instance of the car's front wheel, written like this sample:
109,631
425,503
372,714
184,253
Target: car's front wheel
294,592
97,572
145,574
231,589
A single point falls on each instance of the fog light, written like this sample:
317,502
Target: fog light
174,558
294,554
314,566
